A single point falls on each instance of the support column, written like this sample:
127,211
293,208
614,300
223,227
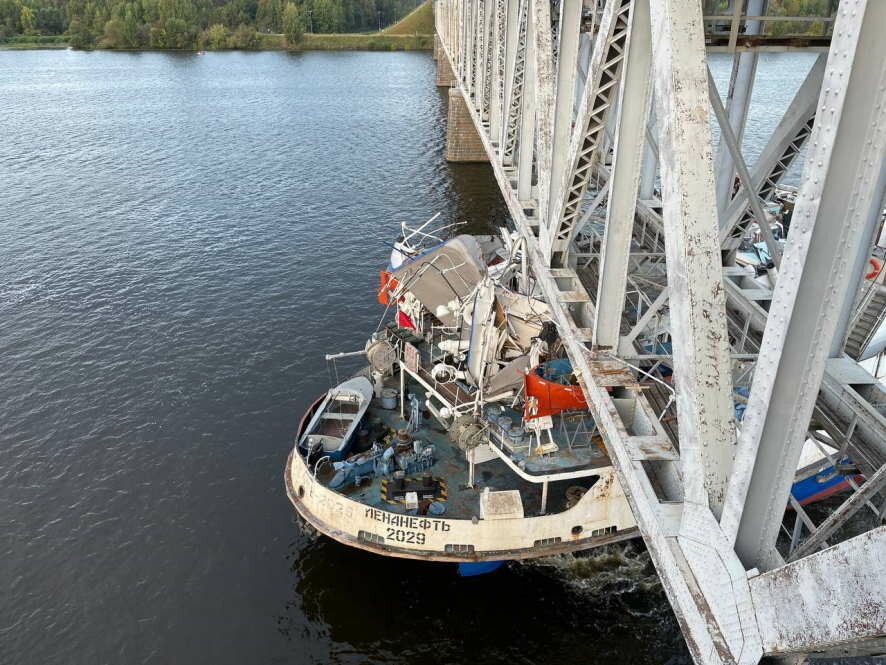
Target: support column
840,199
545,78
738,100
702,363
630,138
463,143
526,144
567,64
495,88
650,163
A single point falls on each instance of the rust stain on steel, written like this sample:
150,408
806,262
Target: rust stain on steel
843,579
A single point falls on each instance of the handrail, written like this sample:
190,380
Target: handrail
790,19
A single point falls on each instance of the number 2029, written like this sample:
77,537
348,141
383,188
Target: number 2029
402,536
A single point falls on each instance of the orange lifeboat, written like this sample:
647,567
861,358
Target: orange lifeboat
386,285
546,395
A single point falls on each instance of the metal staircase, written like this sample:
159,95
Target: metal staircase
869,316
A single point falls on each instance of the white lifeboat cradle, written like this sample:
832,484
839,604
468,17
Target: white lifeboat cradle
443,461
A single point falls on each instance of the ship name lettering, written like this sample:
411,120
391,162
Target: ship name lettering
407,521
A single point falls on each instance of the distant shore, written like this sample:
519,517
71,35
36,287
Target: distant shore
272,42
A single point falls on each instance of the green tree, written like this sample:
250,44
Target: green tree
180,23
178,34
293,25
79,34
216,37
269,15
244,37
131,28
114,36
27,20
327,16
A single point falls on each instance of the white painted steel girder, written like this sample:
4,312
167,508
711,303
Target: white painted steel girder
830,603
839,201
497,69
600,90
738,101
698,318
478,16
780,152
515,75
545,96
567,69
716,606
510,38
526,145
650,160
714,616
625,178
484,16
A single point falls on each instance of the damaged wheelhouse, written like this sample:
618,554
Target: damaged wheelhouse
466,437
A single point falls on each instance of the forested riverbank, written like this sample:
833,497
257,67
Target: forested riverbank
268,24
209,25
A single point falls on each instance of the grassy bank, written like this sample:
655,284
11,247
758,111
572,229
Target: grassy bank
32,47
420,21
23,42
370,42
266,42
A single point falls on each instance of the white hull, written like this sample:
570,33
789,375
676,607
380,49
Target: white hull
601,516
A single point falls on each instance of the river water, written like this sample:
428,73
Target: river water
183,237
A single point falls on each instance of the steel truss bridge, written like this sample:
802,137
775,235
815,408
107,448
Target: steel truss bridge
595,118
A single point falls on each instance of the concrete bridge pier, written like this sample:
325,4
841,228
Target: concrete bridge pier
445,76
463,143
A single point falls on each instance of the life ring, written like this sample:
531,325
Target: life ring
876,266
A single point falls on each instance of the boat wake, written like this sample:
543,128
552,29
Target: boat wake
605,573
307,531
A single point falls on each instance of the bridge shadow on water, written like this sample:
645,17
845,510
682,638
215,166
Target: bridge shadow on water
598,607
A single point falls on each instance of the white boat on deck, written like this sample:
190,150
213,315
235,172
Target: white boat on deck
331,430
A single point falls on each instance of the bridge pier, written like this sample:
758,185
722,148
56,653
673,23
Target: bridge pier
463,143
445,77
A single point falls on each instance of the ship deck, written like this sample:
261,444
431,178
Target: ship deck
451,467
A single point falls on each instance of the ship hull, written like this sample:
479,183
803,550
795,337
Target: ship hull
600,518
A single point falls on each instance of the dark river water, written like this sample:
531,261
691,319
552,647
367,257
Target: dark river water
181,239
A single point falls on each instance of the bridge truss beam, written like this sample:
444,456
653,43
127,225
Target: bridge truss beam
664,258
837,209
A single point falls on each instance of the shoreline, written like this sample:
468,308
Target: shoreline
275,42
